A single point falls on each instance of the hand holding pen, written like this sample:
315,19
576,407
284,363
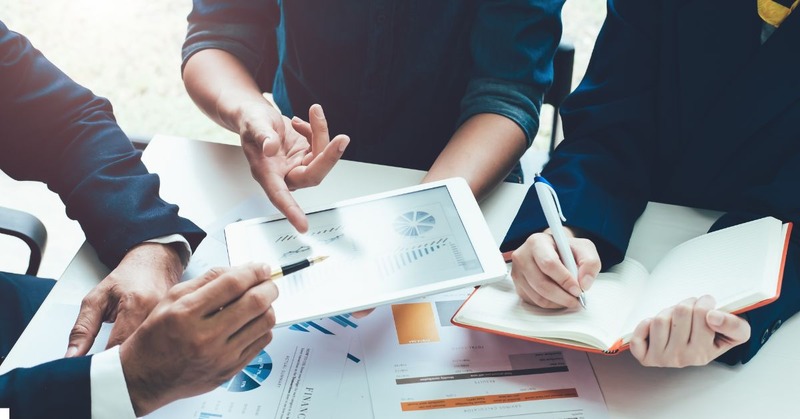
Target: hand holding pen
553,268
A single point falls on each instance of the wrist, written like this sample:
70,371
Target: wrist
239,117
165,257
144,395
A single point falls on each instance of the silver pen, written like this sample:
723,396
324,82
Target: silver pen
552,212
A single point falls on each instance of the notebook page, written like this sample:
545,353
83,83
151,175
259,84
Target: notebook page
736,265
498,307
671,225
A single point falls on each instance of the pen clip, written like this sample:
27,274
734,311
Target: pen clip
538,178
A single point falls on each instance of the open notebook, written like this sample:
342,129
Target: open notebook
669,259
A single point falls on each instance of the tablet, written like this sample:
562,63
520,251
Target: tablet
381,248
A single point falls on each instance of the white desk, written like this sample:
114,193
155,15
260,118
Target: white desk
207,180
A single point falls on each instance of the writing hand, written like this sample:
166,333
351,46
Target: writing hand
283,159
689,333
204,332
540,277
126,296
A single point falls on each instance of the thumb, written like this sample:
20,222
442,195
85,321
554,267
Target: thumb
90,318
271,144
734,329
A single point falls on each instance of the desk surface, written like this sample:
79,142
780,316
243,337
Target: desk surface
207,180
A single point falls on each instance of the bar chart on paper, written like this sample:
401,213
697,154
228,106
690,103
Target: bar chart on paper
421,366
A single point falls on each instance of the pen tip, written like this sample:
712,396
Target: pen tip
319,259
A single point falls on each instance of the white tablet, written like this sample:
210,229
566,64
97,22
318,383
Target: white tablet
381,248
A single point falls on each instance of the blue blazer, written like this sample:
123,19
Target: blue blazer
682,104
55,131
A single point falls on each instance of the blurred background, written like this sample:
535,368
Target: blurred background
130,52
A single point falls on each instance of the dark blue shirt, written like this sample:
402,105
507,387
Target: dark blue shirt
398,77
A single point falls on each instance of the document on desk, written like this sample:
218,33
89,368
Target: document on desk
421,366
353,399
296,375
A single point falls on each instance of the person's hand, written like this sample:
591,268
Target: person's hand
204,332
540,277
126,296
691,333
283,158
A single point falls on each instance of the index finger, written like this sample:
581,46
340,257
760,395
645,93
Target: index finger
278,193
228,287
549,262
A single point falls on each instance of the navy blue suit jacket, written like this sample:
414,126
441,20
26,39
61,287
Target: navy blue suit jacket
55,131
682,104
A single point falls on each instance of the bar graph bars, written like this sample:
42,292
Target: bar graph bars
343,320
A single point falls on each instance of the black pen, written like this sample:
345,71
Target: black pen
294,267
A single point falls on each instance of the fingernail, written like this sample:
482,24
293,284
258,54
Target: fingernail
715,318
296,119
588,279
343,145
318,112
266,270
71,351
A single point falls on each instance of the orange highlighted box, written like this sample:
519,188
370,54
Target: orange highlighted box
489,399
415,323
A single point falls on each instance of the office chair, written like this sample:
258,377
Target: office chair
27,228
563,63
139,142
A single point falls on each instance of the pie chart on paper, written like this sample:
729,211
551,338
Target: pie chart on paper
252,376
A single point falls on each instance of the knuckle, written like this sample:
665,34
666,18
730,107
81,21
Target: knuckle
259,301
174,293
661,321
683,309
79,330
548,264
235,284
270,317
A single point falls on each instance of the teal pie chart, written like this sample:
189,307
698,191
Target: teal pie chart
252,376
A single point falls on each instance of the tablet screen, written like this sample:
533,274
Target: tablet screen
379,247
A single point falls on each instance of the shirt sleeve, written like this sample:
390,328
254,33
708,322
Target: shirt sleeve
181,245
513,43
243,28
110,398
602,169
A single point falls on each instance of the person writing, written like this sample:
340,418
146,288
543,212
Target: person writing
168,341
451,87
673,109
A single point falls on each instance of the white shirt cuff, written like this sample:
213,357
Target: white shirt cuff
110,398
182,247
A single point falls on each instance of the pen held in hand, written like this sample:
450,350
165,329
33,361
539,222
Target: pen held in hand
554,216
294,267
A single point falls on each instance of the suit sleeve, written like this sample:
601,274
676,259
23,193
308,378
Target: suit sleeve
771,199
601,169
512,44
56,389
57,132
